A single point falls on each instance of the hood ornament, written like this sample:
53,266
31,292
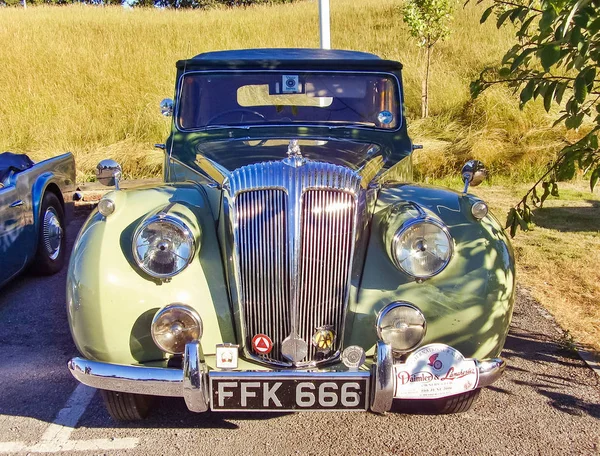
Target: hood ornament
294,158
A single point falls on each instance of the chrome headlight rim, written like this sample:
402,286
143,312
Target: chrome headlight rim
409,224
392,306
162,217
168,308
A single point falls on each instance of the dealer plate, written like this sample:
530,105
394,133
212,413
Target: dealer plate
435,371
265,392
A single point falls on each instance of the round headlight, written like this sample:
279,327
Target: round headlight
402,326
174,326
422,248
163,246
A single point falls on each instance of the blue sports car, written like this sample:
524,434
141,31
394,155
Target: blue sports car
32,213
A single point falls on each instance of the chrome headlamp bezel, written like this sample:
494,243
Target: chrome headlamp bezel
411,223
164,218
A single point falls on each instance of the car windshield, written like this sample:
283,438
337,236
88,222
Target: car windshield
285,98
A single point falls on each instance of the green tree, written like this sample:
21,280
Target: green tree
556,59
429,22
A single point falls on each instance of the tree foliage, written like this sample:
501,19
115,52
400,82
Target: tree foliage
428,22
556,60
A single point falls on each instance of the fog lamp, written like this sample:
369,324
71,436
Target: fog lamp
174,326
402,326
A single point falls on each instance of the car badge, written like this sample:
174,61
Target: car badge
353,357
294,348
262,344
227,356
324,339
385,117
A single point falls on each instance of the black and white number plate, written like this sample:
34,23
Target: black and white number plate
260,391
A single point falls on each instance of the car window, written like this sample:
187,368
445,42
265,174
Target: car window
368,100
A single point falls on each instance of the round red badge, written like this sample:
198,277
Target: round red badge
262,344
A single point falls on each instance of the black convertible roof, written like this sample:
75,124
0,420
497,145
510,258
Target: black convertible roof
296,58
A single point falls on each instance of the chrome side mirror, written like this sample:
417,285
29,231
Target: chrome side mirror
473,173
109,172
166,107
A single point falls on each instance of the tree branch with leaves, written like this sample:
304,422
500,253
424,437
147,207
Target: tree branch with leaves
556,59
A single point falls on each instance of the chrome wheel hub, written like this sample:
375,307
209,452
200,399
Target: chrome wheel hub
52,233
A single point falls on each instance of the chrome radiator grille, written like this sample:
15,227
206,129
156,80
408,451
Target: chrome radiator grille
264,264
294,234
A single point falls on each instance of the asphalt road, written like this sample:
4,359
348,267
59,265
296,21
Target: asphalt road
548,402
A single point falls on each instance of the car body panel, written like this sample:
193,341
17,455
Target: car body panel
19,240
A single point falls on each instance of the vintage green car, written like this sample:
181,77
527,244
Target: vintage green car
287,262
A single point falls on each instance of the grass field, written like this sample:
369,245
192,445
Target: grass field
89,80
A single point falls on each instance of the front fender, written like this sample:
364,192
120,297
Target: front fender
469,304
111,303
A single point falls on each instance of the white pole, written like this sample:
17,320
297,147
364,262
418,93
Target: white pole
324,24
24,4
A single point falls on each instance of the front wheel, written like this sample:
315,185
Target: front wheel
127,406
446,405
50,254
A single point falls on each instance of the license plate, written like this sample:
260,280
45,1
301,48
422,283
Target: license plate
230,392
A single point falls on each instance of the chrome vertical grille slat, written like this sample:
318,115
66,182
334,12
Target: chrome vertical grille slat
294,229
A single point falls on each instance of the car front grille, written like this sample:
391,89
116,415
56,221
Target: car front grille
294,232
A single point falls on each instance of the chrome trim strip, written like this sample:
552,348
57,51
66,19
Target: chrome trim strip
287,375
382,372
212,181
313,125
195,378
490,370
154,381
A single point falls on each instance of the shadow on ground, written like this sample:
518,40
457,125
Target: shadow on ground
570,218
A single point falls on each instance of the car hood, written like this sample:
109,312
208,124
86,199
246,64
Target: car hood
219,158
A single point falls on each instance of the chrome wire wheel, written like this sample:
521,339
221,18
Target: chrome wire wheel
52,233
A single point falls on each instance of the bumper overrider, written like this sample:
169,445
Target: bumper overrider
294,390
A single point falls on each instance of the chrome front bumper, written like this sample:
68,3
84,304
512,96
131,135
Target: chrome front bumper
192,382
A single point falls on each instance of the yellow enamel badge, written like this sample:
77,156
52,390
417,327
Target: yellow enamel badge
324,339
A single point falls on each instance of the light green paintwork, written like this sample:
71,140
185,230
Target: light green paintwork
469,304
110,304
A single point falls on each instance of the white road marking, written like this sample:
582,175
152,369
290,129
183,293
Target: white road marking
56,437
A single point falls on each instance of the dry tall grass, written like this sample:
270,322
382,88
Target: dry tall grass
89,79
